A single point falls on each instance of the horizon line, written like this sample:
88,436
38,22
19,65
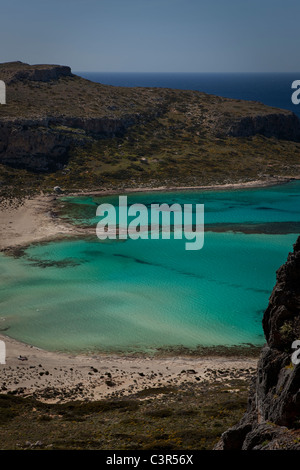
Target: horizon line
119,71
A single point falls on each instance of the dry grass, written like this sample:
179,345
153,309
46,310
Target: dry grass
192,416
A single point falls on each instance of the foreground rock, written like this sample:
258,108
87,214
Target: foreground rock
272,420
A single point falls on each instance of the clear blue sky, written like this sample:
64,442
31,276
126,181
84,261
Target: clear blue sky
154,35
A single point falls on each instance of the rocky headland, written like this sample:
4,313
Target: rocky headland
60,129
272,420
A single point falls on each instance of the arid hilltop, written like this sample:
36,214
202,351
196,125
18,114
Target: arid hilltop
60,129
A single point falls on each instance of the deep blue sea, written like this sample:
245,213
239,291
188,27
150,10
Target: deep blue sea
272,89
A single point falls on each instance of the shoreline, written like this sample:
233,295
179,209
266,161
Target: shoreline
215,187
34,221
55,376
59,377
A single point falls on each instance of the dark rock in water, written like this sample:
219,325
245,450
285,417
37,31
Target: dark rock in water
272,420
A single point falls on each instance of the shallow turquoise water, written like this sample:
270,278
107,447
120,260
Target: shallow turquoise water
84,295
276,204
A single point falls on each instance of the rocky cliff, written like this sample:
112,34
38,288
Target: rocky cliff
49,110
13,72
272,420
278,125
43,144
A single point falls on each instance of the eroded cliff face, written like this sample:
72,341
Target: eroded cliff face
43,144
272,420
278,125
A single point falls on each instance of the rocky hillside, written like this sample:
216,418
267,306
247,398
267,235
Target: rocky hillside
80,134
272,420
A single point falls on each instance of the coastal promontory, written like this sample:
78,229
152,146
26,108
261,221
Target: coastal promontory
60,129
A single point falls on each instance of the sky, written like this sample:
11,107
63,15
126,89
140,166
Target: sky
153,35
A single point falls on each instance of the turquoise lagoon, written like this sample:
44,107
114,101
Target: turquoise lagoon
84,295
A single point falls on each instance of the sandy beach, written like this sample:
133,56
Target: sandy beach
52,376
30,222
34,221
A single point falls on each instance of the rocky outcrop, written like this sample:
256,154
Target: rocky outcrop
43,144
278,125
19,71
272,420
33,144
46,115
